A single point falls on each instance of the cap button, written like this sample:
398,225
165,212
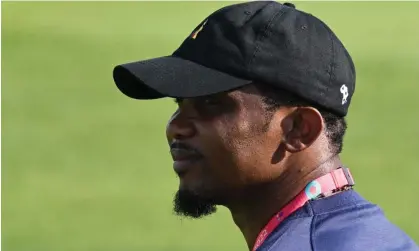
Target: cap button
290,5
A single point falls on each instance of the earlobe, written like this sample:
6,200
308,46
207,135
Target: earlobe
301,129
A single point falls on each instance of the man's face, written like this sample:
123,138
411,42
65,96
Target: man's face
221,145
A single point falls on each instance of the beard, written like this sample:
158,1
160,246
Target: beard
191,205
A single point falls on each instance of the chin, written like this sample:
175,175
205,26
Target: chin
190,204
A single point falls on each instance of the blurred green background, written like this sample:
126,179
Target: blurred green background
86,168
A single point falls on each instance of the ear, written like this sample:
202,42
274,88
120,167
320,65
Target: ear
301,128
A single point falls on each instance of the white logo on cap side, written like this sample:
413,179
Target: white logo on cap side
345,94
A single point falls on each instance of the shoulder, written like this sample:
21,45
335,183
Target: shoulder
357,227
345,222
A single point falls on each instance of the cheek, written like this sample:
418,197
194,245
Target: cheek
244,151
219,143
251,158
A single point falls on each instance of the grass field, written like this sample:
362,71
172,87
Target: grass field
85,168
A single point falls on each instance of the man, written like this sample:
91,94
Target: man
262,92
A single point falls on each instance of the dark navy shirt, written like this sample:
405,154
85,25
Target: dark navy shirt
343,222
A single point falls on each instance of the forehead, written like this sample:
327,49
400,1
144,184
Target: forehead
247,97
248,94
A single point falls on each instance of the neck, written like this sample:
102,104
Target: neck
260,204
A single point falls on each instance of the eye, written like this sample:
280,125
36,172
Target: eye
210,101
208,106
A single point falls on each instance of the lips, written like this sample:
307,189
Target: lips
179,154
184,159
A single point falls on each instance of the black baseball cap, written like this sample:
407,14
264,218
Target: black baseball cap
253,42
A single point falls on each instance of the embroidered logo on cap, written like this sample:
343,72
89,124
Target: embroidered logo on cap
345,94
195,33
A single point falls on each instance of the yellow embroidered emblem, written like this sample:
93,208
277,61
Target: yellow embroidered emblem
195,34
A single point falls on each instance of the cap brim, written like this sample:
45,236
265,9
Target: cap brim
172,77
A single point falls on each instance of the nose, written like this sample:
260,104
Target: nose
180,127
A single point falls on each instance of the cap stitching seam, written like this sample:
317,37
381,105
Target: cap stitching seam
263,34
332,63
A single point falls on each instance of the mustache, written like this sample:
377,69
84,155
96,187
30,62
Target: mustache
184,146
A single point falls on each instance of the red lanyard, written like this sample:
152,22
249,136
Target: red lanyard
336,180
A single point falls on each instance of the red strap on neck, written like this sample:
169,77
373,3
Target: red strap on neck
330,183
